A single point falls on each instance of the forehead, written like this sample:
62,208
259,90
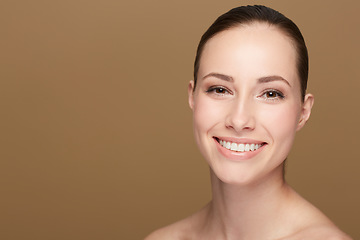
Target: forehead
250,51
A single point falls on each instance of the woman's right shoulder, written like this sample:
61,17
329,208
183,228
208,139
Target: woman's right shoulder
175,231
162,233
185,229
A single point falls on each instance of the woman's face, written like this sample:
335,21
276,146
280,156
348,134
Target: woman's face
247,103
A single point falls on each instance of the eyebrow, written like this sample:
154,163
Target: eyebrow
273,78
220,76
260,80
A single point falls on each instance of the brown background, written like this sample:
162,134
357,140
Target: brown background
96,135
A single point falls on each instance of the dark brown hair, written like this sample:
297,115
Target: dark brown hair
249,14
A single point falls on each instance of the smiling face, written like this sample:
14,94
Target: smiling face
247,103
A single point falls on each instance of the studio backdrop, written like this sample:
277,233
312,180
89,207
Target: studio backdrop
96,133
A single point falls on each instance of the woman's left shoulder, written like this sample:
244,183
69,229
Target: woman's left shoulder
312,223
328,232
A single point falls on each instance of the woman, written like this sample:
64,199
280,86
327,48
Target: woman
248,100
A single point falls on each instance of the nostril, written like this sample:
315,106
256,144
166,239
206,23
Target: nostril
240,118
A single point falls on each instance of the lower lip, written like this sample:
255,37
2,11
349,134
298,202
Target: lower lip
237,156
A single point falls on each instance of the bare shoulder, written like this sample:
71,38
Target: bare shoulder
184,229
311,223
174,231
163,233
328,232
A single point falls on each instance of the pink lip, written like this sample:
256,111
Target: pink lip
238,156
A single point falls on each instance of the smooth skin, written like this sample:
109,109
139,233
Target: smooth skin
248,91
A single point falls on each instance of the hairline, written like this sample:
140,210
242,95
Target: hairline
250,23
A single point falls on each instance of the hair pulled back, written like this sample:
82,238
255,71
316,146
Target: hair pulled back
249,14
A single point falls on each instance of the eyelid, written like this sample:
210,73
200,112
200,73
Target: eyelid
279,96
212,89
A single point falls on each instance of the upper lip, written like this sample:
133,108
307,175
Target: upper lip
239,140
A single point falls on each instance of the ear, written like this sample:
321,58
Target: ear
306,110
191,94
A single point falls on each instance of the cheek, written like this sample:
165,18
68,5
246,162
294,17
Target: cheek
205,114
281,122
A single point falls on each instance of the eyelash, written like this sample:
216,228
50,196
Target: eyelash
278,95
214,90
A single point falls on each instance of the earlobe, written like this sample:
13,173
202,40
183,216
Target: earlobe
191,94
306,110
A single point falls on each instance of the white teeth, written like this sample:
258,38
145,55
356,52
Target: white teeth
233,146
240,147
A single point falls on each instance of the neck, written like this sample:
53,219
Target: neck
248,211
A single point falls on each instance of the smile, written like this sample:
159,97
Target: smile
241,147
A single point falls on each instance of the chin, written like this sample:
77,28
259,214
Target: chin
243,176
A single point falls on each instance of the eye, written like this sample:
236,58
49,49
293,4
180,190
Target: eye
219,90
272,95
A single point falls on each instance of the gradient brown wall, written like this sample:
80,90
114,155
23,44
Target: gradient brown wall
96,135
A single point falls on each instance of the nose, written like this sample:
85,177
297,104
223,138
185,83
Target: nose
240,115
